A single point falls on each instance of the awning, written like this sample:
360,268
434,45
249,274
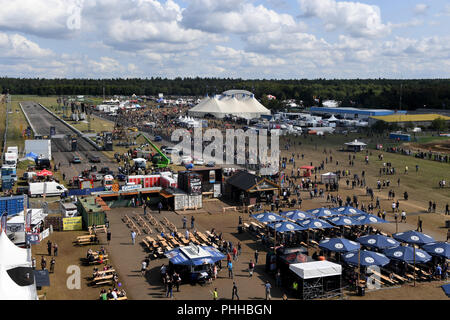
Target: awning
316,269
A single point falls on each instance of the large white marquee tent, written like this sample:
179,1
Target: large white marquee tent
240,103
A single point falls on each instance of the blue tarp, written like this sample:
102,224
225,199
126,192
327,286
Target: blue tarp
446,288
84,192
178,257
32,155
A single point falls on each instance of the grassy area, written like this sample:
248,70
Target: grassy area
16,124
2,118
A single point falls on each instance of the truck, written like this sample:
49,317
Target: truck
51,188
9,173
10,159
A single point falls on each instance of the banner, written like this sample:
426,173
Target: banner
4,221
28,220
72,224
32,238
44,234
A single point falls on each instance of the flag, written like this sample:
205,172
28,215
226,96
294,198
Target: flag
4,221
28,221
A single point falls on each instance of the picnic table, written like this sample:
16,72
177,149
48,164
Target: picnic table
387,279
103,272
103,279
98,228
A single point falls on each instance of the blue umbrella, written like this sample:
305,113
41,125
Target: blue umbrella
314,224
378,241
414,237
296,215
343,221
285,226
406,254
441,249
339,245
267,217
366,258
368,219
348,211
322,212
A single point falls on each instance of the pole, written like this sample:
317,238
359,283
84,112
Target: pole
359,266
414,265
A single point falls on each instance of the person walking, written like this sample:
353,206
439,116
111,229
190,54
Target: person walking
230,269
177,281
447,212
169,284
43,263
192,222
419,224
145,209
234,253
184,222
52,265
256,256
278,278
215,294
160,206
403,216
434,206
234,292
108,236
55,249
143,267
133,237
267,288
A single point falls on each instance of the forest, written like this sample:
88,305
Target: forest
369,93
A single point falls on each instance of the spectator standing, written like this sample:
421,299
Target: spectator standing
256,256
419,224
159,207
133,237
230,269
234,292
108,236
43,263
403,216
33,263
55,249
49,247
267,287
184,222
52,265
192,222
215,294
143,267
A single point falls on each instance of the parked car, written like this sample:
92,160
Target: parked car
199,162
97,177
104,170
211,164
186,160
94,158
121,177
157,138
76,159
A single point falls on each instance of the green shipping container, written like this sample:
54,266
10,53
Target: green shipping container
91,212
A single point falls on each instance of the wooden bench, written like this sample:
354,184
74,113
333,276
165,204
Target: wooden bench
98,228
387,279
120,298
228,208
106,271
399,277
98,261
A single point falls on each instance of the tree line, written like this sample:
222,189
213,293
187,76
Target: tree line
369,93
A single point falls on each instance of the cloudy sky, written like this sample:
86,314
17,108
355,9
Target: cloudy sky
272,39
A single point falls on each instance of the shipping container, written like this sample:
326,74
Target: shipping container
13,205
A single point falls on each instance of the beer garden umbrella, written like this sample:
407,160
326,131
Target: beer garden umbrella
285,226
378,241
413,237
440,249
267,217
407,254
339,245
366,258
348,211
296,215
322,212
343,221
365,218
314,224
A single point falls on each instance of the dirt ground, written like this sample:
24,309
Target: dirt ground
126,258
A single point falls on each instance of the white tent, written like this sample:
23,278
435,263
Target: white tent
11,257
238,103
316,269
332,119
329,177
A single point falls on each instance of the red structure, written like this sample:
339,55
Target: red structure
307,172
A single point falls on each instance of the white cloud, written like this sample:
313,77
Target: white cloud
358,19
45,18
421,8
235,16
16,46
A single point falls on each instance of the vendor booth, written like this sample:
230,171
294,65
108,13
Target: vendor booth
306,171
316,279
329,177
194,263
355,146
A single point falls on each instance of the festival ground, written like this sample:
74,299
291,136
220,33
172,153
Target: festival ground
421,186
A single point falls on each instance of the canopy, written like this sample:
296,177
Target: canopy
44,173
406,254
355,143
413,236
267,217
366,258
378,241
307,167
296,215
316,269
322,212
348,211
343,221
339,245
368,219
10,254
238,103
285,226
193,255
314,224
441,249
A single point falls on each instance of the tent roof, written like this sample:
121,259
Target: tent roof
329,174
316,269
12,255
355,143
9,290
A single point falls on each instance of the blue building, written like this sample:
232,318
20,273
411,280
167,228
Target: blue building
354,113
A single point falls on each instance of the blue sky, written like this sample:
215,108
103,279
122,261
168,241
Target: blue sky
272,39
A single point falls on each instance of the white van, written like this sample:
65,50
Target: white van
52,188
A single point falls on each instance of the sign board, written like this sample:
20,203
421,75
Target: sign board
212,176
16,227
134,187
160,95
217,190
32,238
44,234
71,224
